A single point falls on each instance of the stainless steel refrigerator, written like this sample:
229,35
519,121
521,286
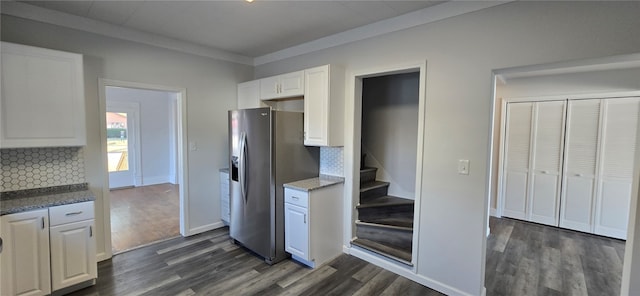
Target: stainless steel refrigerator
266,150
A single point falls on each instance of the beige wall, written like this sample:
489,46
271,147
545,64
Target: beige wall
211,91
461,53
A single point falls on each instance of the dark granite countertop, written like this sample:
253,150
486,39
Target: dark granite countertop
30,199
314,183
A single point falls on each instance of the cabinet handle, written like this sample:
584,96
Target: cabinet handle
90,231
0,245
545,172
295,197
42,218
73,213
305,218
578,175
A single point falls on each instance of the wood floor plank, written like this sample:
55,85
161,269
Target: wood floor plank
264,279
502,238
378,283
311,279
544,260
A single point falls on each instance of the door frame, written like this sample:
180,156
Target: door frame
352,149
133,125
182,153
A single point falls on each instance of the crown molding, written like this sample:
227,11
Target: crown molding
39,14
412,19
420,17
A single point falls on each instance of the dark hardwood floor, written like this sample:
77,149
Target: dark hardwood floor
210,264
522,259
531,259
143,215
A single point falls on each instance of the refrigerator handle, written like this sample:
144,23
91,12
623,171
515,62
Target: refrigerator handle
243,167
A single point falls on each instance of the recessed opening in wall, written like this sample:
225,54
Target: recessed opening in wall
554,162
388,127
143,146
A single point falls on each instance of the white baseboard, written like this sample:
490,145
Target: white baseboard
102,256
406,272
204,228
155,180
493,212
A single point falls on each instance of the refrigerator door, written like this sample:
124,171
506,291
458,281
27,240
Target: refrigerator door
250,192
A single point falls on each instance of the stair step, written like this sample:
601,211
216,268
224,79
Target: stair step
392,236
367,175
390,252
373,189
390,208
406,222
384,201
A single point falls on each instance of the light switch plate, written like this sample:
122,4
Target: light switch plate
463,166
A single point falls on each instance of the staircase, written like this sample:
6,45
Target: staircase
385,223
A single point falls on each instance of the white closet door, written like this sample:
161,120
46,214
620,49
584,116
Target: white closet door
516,172
620,125
546,160
581,146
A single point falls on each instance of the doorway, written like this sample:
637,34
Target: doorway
143,149
388,110
122,143
591,81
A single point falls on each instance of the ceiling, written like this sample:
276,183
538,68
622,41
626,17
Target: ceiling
248,29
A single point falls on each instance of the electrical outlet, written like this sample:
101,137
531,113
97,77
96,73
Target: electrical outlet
463,166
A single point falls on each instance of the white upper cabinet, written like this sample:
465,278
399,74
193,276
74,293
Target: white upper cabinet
249,95
42,101
282,86
324,106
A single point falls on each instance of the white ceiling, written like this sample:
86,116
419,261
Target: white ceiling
248,29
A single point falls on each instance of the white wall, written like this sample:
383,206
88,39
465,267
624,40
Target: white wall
461,53
155,131
211,91
390,128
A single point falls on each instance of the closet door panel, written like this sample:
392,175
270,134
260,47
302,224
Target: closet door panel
620,125
516,195
517,146
576,203
581,152
547,151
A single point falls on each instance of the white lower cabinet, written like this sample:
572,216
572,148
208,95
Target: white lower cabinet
24,260
313,224
47,250
73,245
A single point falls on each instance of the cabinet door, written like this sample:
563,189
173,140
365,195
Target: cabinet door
42,101
296,221
249,95
619,129
73,254
269,88
316,106
579,173
516,166
292,84
24,261
546,164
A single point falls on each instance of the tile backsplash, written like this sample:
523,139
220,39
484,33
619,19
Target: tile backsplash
28,168
332,161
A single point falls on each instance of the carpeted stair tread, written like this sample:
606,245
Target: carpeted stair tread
390,252
385,226
373,185
368,169
384,201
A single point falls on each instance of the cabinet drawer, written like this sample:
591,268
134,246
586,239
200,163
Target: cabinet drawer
299,198
70,213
